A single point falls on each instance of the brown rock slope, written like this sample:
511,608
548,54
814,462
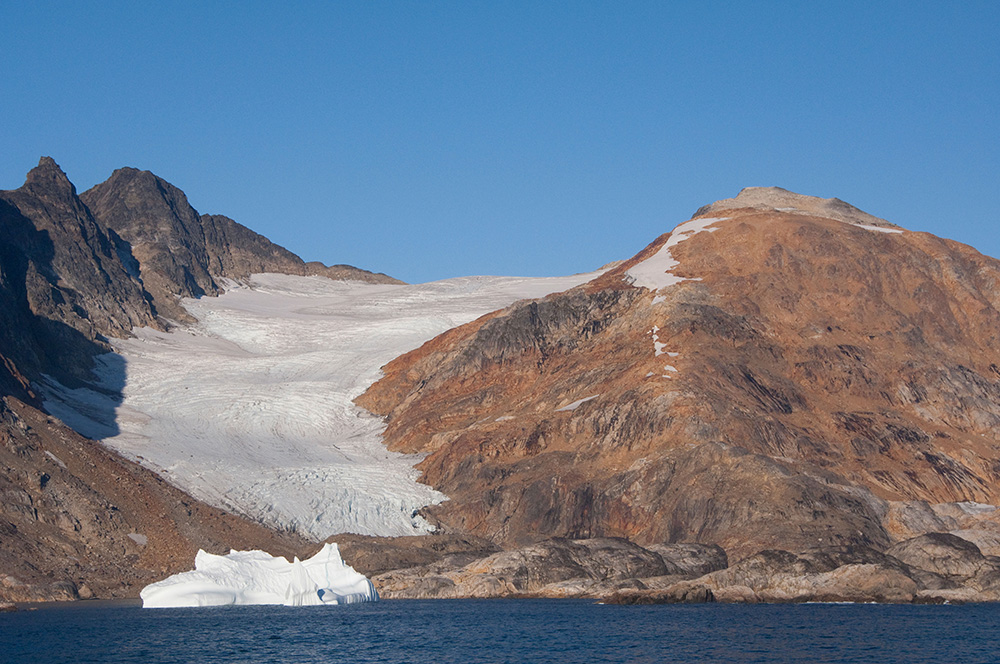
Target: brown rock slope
812,366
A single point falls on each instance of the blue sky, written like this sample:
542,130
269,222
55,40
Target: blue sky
430,140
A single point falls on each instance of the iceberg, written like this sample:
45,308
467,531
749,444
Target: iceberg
256,577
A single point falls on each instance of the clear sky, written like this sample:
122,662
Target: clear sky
430,140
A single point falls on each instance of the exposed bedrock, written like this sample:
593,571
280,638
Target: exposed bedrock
552,568
66,282
932,568
181,253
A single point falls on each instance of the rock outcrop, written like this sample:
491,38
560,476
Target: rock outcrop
552,568
932,568
777,373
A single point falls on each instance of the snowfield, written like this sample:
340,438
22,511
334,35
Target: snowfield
251,409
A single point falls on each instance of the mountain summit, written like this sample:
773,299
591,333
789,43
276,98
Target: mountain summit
782,200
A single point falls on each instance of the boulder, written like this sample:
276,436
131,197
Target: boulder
942,553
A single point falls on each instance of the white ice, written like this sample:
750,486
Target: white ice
971,507
576,404
879,229
658,345
251,409
655,273
255,577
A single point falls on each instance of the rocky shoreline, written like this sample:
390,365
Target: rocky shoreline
933,568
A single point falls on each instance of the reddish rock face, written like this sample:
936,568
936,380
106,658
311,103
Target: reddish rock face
813,365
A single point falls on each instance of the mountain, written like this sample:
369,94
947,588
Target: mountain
76,519
65,280
781,371
784,383
181,253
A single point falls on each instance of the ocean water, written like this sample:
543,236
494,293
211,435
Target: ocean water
470,631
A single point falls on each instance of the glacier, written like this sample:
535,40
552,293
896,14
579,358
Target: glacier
251,408
256,577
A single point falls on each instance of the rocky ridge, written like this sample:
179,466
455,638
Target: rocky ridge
65,280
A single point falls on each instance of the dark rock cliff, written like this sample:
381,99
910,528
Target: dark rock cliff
65,282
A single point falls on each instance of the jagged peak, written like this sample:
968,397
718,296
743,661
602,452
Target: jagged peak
146,183
782,200
48,174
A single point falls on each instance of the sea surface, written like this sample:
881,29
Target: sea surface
470,631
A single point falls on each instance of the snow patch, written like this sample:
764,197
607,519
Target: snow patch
655,272
56,459
879,229
141,540
504,418
658,346
970,507
576,404
255,577
670,368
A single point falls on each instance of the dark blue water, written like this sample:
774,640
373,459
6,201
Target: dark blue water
468,631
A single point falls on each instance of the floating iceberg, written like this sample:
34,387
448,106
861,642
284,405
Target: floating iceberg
256,577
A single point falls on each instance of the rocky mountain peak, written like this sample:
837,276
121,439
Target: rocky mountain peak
782,200
50,176
145,206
